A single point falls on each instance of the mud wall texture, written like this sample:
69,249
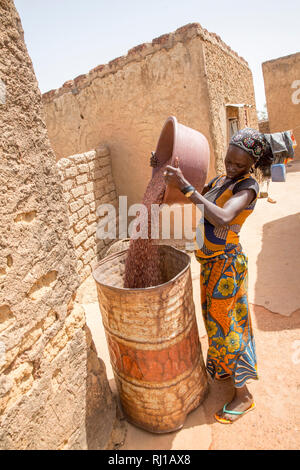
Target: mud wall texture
125,103
264,127
282,87
87,182
229,81
54,392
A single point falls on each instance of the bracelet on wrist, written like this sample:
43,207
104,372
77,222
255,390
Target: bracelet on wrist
188,190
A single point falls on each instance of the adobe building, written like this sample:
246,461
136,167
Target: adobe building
54,392
282,87
264,126
191,74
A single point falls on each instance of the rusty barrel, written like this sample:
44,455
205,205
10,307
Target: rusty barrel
153,341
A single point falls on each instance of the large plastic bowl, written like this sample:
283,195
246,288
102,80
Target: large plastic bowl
177,140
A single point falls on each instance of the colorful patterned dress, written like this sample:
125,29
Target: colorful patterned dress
224,269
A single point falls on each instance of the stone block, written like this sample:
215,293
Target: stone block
89,187
71,172
88,243
80,225
91,229
76,205
83,212
104,161
83,168
64,163
89,198
81,179
102,151
78,191
80,238
90,156
68,184
79,158
73,219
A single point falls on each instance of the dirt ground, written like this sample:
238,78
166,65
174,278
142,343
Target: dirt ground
270,238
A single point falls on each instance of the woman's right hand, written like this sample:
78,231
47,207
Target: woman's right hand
153,160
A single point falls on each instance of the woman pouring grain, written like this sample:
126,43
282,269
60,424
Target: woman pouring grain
228,200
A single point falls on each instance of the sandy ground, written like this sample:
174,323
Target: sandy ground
271,240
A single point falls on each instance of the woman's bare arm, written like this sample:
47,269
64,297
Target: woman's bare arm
219,216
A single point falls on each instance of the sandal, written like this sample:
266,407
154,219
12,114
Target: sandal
231,412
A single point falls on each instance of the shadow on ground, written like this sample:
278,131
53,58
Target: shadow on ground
278,273
293,166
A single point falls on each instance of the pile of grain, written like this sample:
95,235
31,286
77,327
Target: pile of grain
142,268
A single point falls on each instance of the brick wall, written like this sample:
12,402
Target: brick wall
87,182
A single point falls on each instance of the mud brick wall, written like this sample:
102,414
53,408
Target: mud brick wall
264,127
87,182
54,392
228,81
125,103
282,87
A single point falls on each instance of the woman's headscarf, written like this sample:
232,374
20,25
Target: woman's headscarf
253,142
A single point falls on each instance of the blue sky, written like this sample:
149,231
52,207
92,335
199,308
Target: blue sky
66,38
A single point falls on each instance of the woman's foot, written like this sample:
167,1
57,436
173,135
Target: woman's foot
241,402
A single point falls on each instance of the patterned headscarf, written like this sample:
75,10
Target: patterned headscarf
252,141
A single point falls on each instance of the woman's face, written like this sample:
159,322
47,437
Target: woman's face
237,162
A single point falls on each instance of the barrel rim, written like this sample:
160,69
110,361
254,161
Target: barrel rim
140,289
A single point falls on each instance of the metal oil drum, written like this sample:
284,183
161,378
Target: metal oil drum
153,341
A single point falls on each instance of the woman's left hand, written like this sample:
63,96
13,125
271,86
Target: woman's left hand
174,176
